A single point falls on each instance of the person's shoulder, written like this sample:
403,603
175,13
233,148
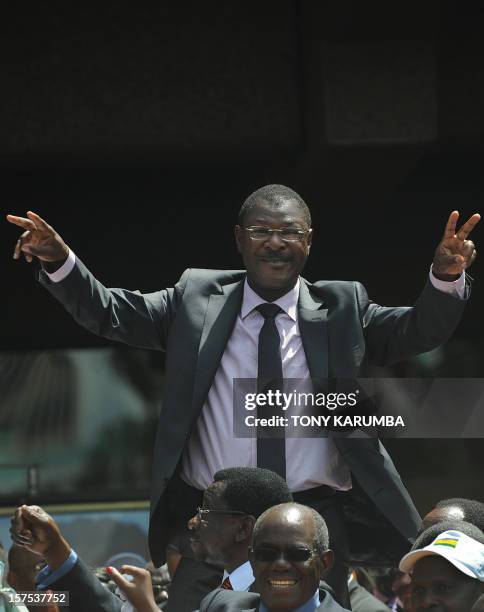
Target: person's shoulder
363,600
335,289
223,599
332,285
328,603
203,276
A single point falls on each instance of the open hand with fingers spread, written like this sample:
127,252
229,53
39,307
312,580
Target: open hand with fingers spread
39,240
455,253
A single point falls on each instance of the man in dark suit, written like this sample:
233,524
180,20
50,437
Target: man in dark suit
212,325
290,555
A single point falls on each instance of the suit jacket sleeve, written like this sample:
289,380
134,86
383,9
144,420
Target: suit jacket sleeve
131,317
394,334
86,592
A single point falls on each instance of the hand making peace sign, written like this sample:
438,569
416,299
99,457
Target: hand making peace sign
455,253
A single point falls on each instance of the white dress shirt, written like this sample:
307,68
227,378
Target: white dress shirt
310,462
212,446
241,578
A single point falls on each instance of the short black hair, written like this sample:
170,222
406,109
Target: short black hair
276,195
472,509
428,536
321,535
252,490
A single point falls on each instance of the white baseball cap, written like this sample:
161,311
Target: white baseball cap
465,553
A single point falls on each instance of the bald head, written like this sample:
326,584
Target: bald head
289,555
292,515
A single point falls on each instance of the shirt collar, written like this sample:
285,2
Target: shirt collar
288,302
241,578
310,606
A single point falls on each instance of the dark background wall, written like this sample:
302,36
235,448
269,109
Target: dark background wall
138,131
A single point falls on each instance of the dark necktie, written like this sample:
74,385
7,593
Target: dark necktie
226,584
271,445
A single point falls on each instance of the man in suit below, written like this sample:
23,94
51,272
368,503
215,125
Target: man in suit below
290,555
217,326
221,530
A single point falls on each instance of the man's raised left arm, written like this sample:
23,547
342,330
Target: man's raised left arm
394,334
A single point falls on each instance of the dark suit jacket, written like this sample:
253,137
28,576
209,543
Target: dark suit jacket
341,331
222,600
86,592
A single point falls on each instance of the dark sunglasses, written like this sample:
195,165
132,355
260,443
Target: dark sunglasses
293,555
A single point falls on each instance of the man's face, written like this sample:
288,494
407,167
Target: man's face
284,584
214,534
438,586
23,568
273,265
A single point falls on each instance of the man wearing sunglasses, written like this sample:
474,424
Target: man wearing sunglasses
289,556
266,323
221,530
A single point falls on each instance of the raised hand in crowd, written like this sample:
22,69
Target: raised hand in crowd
138,591
34,529
455,253
39,240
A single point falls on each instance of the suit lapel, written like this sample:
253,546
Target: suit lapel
314,332
221,313
220,316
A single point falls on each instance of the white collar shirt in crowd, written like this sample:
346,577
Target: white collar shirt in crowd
241,578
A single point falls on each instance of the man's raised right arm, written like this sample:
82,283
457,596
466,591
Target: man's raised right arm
137,319
39,240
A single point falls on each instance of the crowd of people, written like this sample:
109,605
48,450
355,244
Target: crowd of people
272,554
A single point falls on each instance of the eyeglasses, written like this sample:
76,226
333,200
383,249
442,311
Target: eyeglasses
293,555
287,234
202,513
